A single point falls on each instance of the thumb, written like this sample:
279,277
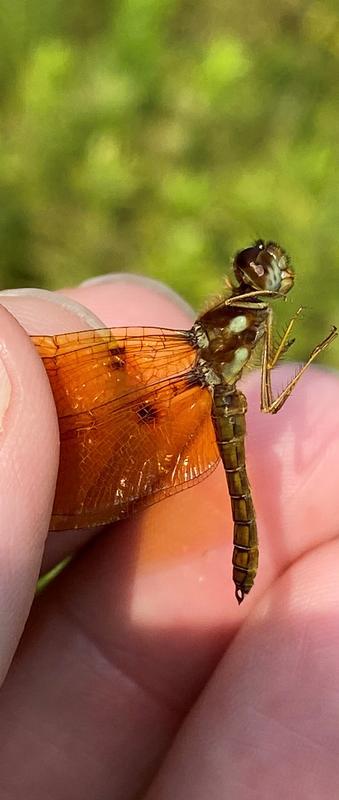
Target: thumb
28,469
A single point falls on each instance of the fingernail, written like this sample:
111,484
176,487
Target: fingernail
37,308
117,277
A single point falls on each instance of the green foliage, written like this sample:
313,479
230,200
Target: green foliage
159,136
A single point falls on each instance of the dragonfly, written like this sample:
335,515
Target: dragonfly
147,412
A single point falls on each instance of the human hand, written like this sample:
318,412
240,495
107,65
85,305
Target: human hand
125,643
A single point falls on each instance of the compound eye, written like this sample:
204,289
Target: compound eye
246,259
247,265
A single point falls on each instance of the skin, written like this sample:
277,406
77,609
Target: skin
137,675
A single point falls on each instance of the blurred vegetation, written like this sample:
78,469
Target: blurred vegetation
159,136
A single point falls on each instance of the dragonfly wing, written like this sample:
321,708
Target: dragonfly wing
135,425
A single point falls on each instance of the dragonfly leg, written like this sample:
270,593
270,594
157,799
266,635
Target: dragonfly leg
234,301
269,404
285,342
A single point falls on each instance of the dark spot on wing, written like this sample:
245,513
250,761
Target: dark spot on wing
147,413
117,357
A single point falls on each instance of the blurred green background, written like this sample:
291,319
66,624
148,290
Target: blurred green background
159,136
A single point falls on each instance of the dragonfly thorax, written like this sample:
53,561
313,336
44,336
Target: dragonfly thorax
227,337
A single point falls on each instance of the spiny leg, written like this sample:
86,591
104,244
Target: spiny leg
285,342
269,404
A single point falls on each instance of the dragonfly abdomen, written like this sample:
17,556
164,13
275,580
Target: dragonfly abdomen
229,408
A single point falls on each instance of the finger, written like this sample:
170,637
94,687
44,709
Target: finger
292,462
272,701
42,312
28,473
95,668
122,299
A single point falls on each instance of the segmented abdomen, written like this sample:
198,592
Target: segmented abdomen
229,408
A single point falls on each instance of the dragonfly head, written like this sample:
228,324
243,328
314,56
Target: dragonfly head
264,266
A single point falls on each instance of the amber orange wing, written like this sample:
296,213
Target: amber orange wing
135,424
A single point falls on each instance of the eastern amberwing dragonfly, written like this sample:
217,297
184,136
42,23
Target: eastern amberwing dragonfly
146,412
